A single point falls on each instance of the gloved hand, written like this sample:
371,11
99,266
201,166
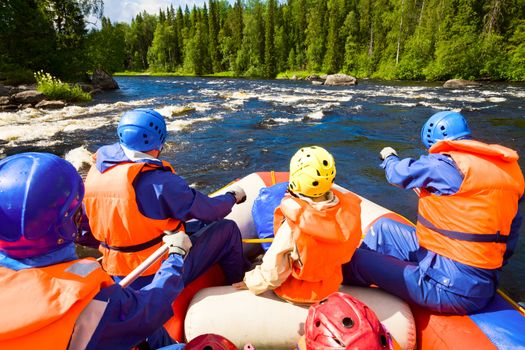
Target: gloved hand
386,152
239,194
179,242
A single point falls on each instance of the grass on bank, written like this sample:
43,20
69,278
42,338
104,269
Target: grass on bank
54,89
300,74
226,74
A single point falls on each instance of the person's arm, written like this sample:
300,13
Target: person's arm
436,173
133,315
514,235
276,264
162,195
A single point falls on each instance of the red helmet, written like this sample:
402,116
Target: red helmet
210,342
343,322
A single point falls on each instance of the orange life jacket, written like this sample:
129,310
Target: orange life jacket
127,237
325,240
472,226
41,305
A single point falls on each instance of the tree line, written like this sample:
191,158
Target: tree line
389,39
48,35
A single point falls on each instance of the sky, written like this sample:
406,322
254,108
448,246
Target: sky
125,10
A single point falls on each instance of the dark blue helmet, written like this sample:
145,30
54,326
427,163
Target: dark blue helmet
40,204
447,125
142,130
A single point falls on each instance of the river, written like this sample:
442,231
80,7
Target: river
222,129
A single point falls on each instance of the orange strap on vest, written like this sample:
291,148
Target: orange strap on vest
127,237
41,305
472,225
325,240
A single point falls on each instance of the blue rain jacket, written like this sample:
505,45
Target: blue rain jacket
130,315
414,273
439,175
161,194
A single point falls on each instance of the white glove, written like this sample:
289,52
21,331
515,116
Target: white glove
179,242
238,193
387,152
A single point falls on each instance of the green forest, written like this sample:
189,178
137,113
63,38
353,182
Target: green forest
386,39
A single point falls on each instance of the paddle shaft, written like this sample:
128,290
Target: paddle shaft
157,254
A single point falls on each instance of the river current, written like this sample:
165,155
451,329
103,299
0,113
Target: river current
223,129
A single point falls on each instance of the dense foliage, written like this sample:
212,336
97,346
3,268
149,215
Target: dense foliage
391,39
44,35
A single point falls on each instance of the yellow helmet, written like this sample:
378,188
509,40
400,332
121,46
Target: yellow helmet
312,171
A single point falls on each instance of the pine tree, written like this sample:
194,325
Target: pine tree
316,36
333,59
179,27
270,66
282,39
237,24
213,25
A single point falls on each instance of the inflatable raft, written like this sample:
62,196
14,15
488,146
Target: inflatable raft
270,323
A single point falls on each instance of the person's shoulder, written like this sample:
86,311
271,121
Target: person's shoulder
435,158
161,176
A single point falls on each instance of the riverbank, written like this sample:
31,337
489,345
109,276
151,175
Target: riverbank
51,93
226,74
315,76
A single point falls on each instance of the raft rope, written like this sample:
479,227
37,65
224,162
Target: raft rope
257,240
512,302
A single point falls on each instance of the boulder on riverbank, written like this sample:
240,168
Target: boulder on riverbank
21,97
4,91
340,80
103,81
460,83
331,79
31,97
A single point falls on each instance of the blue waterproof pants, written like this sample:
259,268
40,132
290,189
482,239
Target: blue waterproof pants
219,242
390,257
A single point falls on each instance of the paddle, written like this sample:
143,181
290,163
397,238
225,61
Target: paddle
157,254
133,275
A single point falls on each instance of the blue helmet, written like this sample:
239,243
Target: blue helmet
142,130
40,204
447,125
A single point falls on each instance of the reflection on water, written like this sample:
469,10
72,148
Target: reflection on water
222,129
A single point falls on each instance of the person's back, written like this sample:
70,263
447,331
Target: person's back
52,299
483,208
127,236
133,198
317,229
468,221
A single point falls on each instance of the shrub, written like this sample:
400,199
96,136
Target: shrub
54,89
